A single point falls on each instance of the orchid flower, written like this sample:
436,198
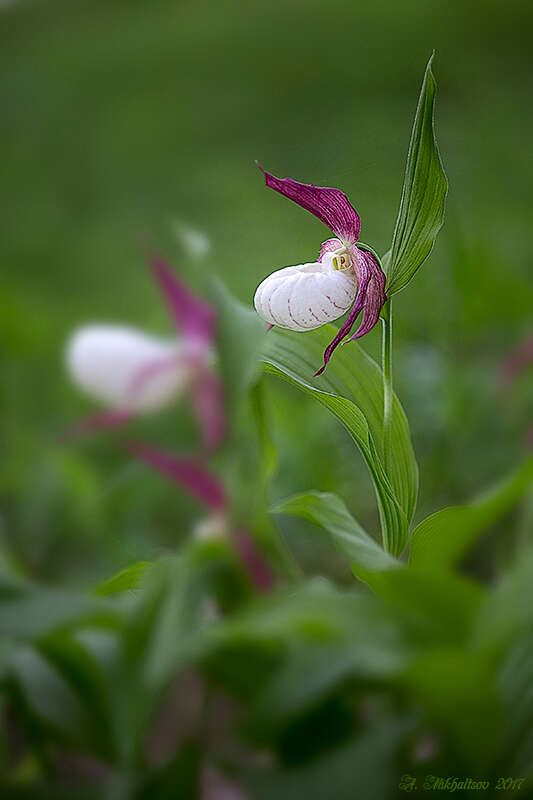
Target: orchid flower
132,373
345,276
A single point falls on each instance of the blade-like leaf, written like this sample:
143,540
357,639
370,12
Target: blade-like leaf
424,191
441,539
240,333
357,377
293,356
125,580
329,511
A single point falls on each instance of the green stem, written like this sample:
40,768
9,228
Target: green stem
387,384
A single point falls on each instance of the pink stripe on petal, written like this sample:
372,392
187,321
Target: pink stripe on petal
193,317
330,206
256,566
186,472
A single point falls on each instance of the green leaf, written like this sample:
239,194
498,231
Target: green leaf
441,539
424,191
363,767
457,689
352,390
28,611
126,579
240,334
330,512
435,606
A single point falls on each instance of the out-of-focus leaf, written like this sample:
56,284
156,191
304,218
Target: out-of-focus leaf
126,579
181,778
48,698
457,689
74,662
240,334
312,672
291,359
424,191
329,512
362,768
435,606
28,610
46,791
507,610
441,539
352,374
164,631
516,687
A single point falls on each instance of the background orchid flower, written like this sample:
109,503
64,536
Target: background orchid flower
310,295
133,373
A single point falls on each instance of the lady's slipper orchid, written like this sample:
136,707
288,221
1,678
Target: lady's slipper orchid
134,373
310,295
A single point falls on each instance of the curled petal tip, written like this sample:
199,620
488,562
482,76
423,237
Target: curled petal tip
259,166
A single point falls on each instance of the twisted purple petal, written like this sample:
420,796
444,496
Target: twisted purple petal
193,317
370,299
185,472
330,206
256,566
374,300
208,405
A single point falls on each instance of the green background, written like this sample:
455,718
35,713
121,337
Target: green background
119,118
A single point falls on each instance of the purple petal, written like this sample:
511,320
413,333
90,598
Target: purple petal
518,360
208,405
374,300
99,421
370,299
186,472
193,317
331,206
255,564
329,246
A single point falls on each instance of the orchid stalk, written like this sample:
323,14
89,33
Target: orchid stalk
349,276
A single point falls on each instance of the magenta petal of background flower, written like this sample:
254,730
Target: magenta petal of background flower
194,317
256,566
186,472
99,421
208,405
518,360
331,206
